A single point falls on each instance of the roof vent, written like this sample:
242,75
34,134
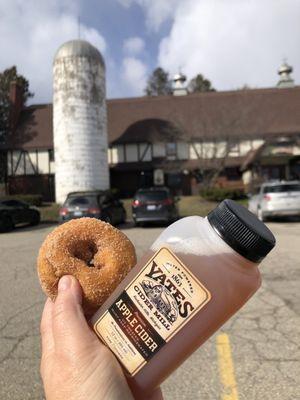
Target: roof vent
285,80
179,87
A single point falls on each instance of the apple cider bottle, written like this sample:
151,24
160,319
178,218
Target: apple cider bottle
195,276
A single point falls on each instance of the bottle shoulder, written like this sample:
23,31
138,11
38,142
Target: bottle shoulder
187,235
195,236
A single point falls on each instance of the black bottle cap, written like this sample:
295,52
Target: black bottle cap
239,228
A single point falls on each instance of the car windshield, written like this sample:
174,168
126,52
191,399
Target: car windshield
149,195
282,188
81,201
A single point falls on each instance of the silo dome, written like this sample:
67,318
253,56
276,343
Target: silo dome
79,119
78,48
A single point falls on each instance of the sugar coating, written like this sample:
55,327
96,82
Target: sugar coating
93,251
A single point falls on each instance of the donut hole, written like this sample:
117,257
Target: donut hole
85,251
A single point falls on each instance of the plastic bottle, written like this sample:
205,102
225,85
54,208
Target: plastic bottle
196,275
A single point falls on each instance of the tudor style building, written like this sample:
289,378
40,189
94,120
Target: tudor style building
172,140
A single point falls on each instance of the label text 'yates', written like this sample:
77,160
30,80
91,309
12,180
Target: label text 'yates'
157,274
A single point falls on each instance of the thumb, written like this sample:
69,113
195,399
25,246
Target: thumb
68,321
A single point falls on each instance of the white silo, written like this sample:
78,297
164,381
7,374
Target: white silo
79,119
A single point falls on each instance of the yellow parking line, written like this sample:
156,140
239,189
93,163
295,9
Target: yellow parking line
226,368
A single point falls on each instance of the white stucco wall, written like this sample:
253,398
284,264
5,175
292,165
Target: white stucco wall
182,151
245,147
131,152
117,154
145,151
257,143
43,162
159,149
195,150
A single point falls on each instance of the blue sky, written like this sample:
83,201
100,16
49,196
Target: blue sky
232,42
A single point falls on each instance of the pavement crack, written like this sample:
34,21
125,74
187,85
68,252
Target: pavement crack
19,340
19,313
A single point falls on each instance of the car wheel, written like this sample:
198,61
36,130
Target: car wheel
35,219
260,214
123,219
8,224
107,218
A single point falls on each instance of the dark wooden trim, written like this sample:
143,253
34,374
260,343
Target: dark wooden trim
32,165
11,163
139,151
18,162
195,149
124,152
37,160
24,161
49,162
145,151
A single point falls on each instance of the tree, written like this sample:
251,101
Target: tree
158,83
215,148
6,78
200,84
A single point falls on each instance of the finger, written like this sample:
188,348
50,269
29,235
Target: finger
46,329
69,324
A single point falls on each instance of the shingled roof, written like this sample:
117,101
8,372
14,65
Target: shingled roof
34,129
244,113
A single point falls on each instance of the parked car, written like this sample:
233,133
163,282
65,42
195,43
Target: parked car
154,204
97,204
15,212
276,199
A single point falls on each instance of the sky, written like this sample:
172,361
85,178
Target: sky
232,42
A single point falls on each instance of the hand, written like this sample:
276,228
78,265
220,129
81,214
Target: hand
75,365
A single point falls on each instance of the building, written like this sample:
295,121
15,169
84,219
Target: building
79,119
246,135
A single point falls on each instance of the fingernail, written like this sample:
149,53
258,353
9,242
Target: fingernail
64,283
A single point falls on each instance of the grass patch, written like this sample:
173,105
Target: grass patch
49,212
127,206
187,205
195,205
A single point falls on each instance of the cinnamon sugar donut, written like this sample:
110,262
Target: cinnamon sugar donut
93,251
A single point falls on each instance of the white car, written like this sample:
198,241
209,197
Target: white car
276,199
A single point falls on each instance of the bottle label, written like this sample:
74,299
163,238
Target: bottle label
158,302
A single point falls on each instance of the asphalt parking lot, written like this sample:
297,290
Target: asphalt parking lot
256,356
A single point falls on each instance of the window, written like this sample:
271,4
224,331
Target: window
151,195
13,203
282,188
171,150
80,201
234,149
233,174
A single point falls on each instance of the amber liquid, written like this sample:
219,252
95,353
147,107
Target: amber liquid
231,280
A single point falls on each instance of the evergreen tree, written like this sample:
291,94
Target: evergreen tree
6,78
200,84
158,83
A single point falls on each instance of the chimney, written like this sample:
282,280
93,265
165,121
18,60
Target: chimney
16,101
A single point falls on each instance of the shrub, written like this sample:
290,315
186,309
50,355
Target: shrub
219,194
31,199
